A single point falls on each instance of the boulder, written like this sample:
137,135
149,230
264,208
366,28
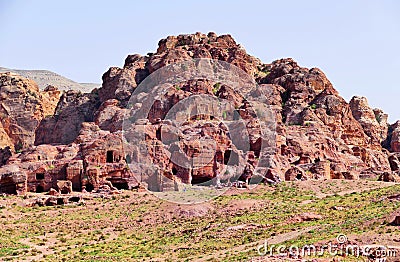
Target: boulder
388,177
53,192
64,186
295,173
394,162
51,201
396,221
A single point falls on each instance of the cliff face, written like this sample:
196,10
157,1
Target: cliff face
22,108
317,134
73,109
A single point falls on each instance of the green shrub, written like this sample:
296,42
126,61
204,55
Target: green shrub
217,86
378,118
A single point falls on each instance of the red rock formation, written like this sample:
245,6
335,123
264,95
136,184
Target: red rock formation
374,122
318,135
73,109
395,137
22,107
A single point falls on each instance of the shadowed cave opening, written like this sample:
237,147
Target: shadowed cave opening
64,191
110,156
8,188
89,187
39,189
201,180
39,176
119,184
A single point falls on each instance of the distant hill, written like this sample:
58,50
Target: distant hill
44,78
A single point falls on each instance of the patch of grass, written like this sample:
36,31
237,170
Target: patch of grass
136,226
216,88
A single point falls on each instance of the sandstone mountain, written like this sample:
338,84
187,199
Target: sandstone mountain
78,136
43,78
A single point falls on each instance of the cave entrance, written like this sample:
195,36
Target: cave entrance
39,189
158,133
119,184
39,176
231,158
8,188
201,180
89,187
75,199
64,191
299,176
227,155
60,201
110,156
128,159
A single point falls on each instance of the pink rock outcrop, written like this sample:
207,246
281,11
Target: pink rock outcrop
77,137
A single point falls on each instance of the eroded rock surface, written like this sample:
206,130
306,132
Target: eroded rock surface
77,137
22,107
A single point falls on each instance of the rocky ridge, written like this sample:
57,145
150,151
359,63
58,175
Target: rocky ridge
48,136
44,78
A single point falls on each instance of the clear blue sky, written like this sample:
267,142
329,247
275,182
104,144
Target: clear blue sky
356,43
